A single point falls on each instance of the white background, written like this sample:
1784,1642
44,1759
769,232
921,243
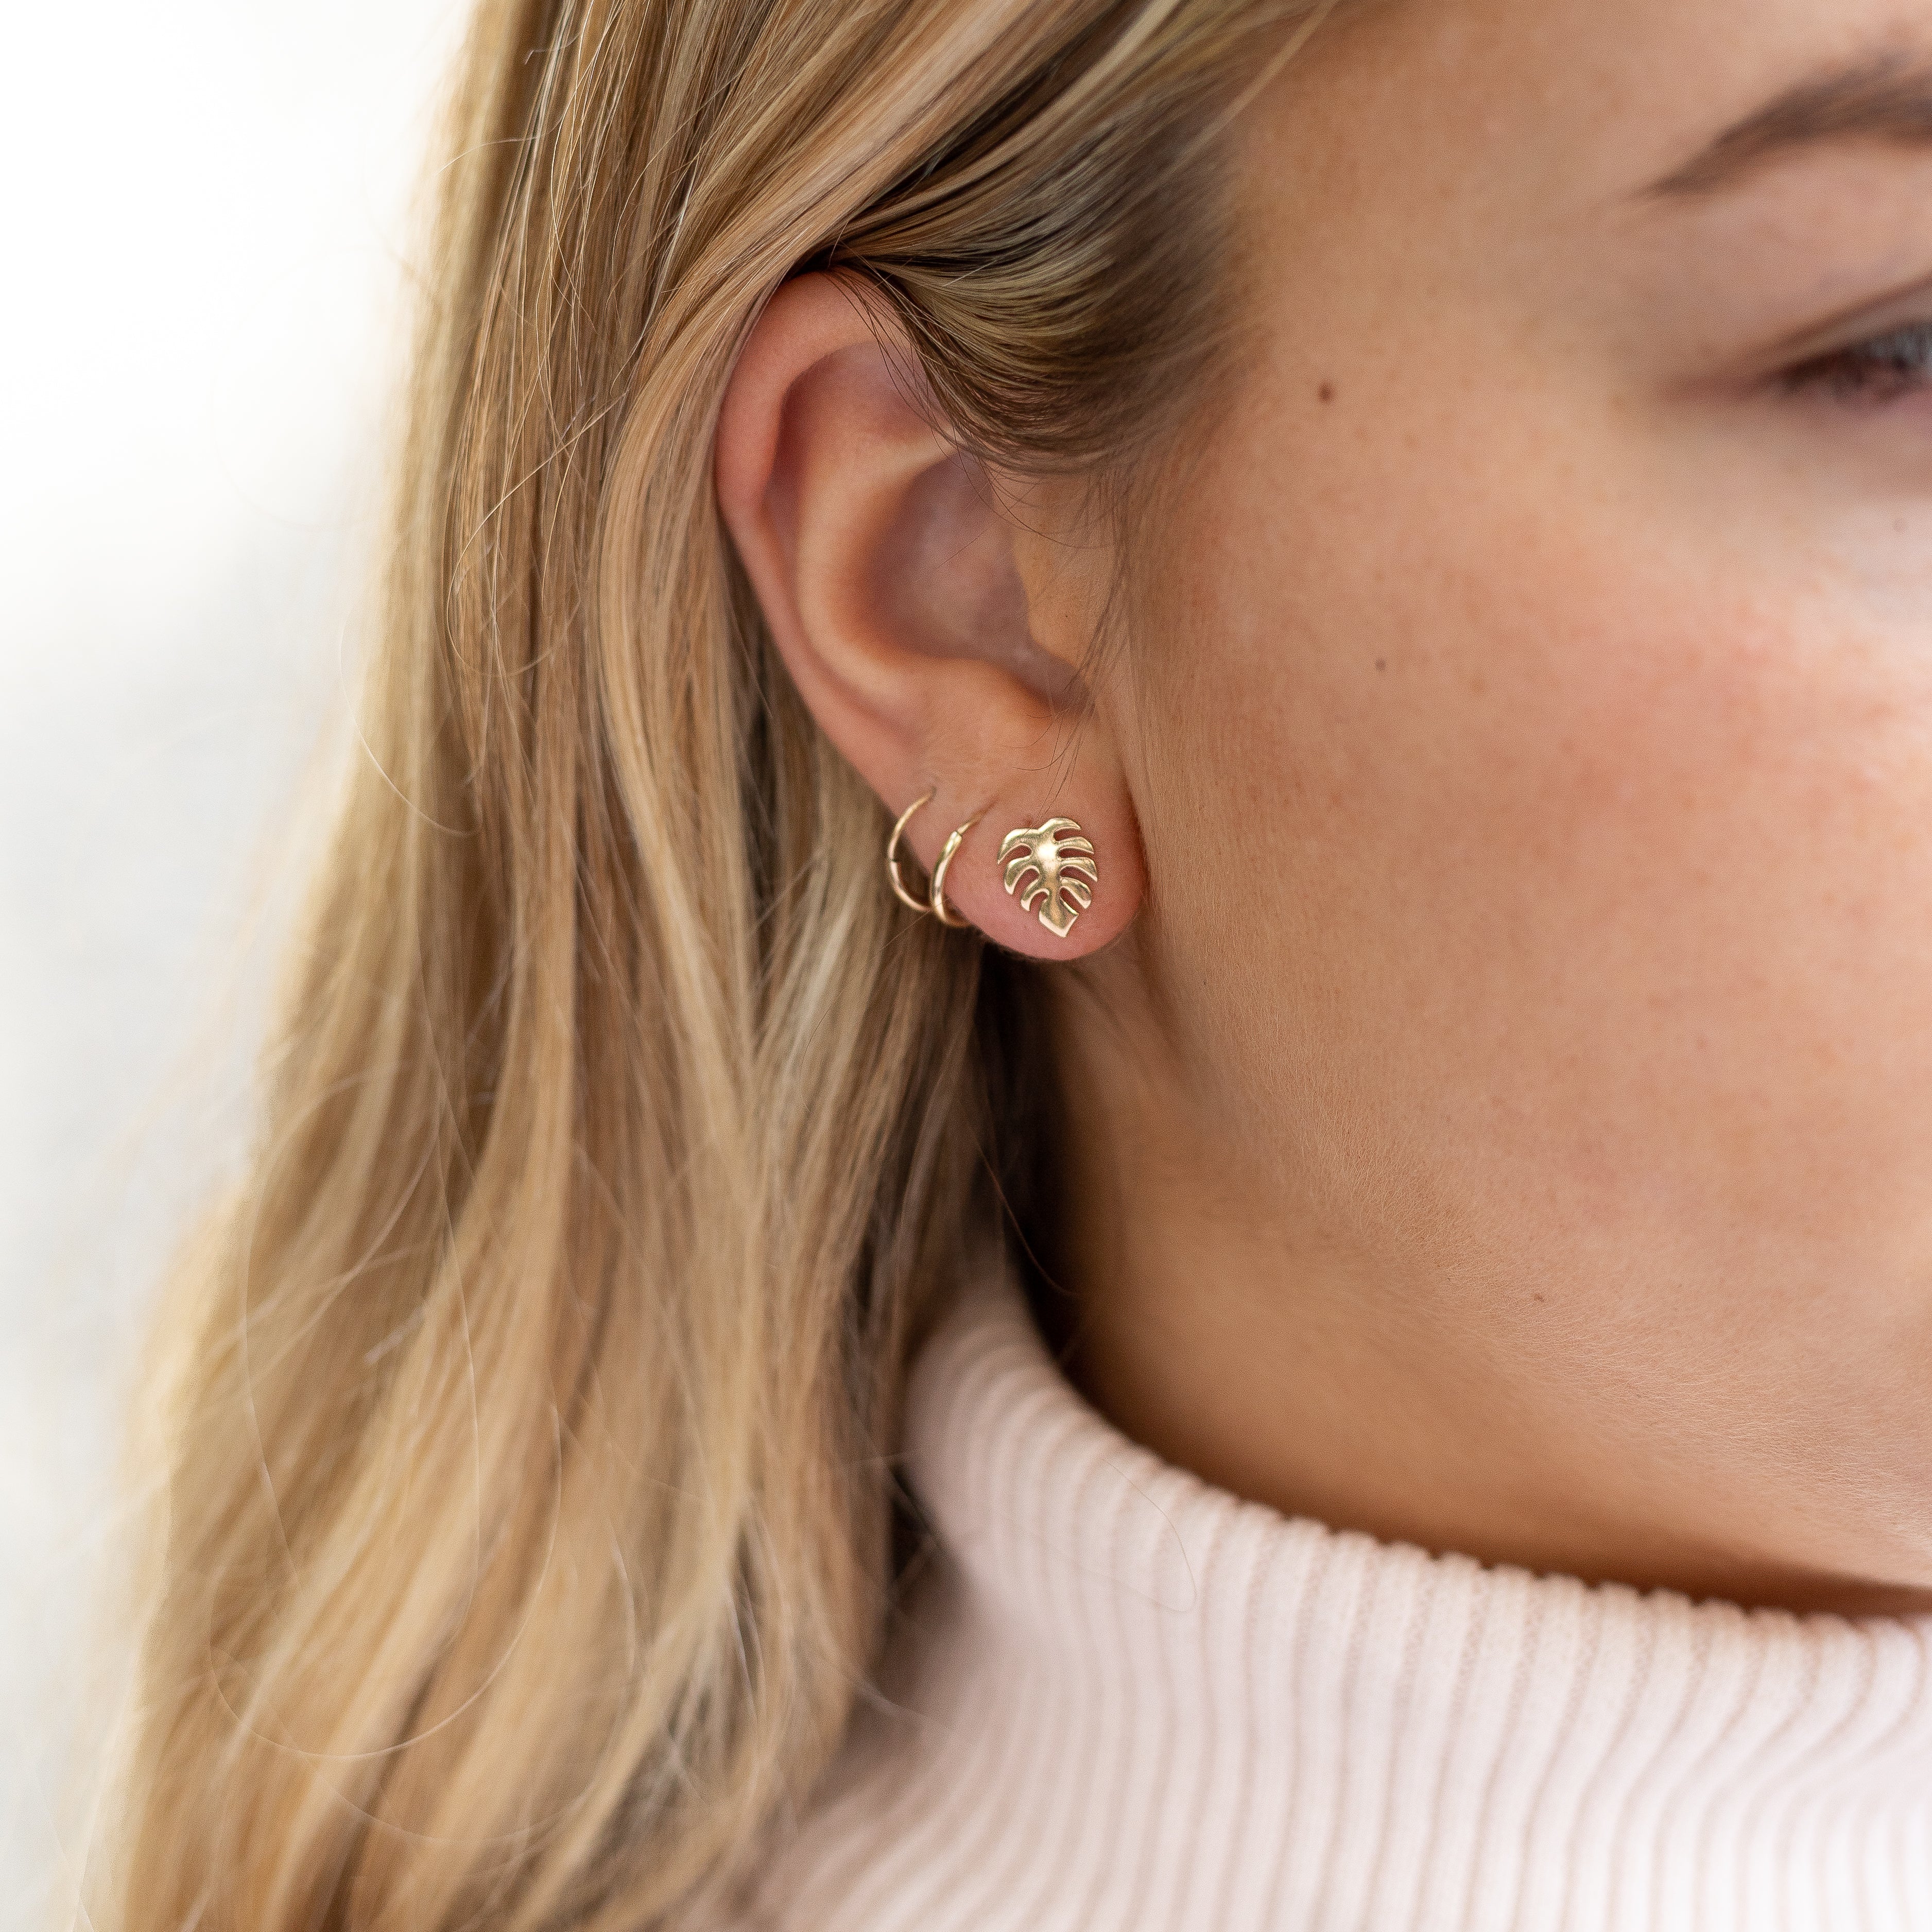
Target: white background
206,224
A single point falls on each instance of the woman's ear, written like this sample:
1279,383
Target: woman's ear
938,653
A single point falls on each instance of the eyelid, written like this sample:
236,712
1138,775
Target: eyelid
1901,308
1873,368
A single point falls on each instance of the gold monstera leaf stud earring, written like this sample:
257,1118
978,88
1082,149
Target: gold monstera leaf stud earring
1053,864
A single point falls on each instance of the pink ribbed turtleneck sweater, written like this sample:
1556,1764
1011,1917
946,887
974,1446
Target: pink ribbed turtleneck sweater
1123,1701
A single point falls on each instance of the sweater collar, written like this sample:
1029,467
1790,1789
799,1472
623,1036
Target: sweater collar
1126,1699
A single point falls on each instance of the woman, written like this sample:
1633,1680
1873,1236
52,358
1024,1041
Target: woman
1366,569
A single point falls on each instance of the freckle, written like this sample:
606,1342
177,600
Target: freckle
1381,663
1326,392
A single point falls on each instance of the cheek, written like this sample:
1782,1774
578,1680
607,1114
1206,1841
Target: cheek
1553,886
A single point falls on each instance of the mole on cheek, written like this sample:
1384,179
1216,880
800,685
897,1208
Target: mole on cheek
1326,392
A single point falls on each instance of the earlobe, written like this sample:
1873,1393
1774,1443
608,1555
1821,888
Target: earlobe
1030,888
889,577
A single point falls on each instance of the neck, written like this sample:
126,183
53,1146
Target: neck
1230,1317
1115,1696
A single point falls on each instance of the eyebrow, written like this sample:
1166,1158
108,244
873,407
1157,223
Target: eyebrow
1889,99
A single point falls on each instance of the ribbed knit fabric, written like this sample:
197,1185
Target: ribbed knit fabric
1124,1699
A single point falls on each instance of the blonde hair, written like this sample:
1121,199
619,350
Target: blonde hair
529,1428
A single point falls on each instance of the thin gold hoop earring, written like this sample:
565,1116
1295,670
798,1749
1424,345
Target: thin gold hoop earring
935,902
898,884
941,910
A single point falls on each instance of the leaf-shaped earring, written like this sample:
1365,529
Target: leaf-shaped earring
1053,864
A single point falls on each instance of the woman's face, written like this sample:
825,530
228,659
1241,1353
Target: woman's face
1530,732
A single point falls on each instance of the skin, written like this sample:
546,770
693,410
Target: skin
1499,1055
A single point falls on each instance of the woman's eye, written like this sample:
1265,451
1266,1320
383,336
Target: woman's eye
1895,364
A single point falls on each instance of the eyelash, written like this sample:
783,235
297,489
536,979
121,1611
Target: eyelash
1895,364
